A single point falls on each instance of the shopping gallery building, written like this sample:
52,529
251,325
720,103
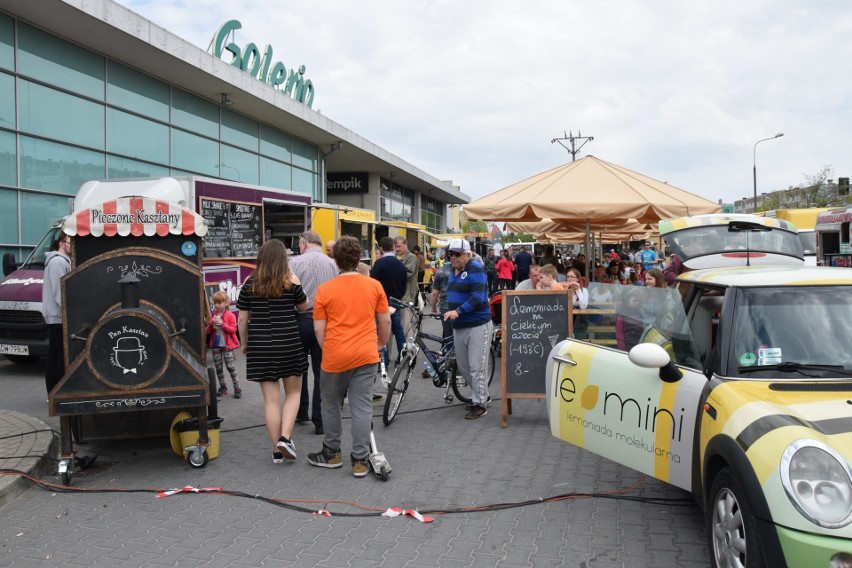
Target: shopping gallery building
90,90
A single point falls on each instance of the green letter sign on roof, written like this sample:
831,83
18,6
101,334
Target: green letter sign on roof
249,59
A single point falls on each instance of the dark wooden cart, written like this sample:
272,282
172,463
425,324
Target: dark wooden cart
133,319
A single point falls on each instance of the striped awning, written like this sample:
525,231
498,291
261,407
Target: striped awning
135,216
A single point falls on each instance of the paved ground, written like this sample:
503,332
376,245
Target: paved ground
440,461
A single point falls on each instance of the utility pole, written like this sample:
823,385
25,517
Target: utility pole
574,150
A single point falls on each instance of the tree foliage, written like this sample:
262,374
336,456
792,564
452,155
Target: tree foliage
514,237
819,190
477,226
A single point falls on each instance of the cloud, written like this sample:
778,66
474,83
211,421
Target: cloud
476,91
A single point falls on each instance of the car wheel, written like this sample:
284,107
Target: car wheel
731,527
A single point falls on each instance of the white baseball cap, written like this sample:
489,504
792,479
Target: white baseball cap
459,245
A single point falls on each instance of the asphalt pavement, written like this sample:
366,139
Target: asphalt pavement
486,488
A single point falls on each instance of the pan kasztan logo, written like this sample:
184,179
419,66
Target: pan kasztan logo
128,352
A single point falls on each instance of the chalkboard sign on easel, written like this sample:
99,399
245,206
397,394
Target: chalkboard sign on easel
533,322
234,229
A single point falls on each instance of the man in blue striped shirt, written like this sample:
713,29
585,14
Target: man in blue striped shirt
470,314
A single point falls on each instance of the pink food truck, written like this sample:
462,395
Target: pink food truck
240,218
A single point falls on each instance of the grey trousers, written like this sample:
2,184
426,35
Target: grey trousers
357,385
472,348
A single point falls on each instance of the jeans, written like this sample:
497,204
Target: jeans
492,281
312,348
357,385
55,366
473,345
396,331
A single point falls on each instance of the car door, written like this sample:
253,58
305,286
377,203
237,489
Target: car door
601,401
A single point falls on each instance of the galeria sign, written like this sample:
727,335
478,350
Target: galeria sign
249,59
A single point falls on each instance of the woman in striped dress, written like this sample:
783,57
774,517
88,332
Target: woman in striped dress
267,322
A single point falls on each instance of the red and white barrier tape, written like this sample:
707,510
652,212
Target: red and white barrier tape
188,489
396,511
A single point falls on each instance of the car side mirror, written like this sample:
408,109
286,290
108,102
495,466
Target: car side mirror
652,356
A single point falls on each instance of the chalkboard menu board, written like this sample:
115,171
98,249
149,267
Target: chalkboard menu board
533,322
234,229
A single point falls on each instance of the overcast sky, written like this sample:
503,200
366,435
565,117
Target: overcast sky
474,91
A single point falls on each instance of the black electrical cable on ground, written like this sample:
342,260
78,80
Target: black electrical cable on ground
373,512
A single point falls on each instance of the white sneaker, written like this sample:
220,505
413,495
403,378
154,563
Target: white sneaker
288,448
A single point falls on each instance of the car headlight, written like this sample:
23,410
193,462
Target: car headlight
818,482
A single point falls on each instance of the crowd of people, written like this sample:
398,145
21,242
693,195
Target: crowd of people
519,269
326,306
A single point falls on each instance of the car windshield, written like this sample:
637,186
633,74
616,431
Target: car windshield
808,240
36,258
716,239
804,325
620,317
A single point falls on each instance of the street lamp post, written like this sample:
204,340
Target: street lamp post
754,164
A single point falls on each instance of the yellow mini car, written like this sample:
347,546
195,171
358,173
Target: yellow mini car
735,385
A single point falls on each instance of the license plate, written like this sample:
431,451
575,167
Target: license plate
14,349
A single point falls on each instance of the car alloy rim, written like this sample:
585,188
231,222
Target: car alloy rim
729,541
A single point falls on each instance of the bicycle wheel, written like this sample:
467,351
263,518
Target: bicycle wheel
396,389
461,388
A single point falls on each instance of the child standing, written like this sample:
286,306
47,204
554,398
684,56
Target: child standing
222,330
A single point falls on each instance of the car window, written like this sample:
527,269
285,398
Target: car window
775,325
621,316
36,258
716,239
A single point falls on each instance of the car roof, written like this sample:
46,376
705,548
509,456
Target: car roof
671,225
756,276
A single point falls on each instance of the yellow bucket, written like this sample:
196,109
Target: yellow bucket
184,432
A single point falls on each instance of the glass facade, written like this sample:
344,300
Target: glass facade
431,214
7,101
68,115
7,43
396,203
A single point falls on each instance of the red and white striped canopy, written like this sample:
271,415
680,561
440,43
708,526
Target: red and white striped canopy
135,216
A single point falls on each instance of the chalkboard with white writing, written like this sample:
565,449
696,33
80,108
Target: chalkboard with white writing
234,229
533,322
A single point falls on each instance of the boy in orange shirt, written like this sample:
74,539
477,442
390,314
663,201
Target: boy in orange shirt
346,309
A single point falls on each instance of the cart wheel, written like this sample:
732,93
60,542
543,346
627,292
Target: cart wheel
196,459
66,470
383,474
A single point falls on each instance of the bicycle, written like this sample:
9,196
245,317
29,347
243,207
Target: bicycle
442,362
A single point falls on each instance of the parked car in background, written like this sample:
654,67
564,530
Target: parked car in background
712,241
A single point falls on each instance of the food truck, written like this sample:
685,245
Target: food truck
240,217
833,244
333,221
805,221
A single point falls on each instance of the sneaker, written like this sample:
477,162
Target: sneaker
223,391
360,467
302,418
238,392
277,457
326,458
288,447
476,412
469,407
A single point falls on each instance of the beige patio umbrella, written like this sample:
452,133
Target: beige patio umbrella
589,191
